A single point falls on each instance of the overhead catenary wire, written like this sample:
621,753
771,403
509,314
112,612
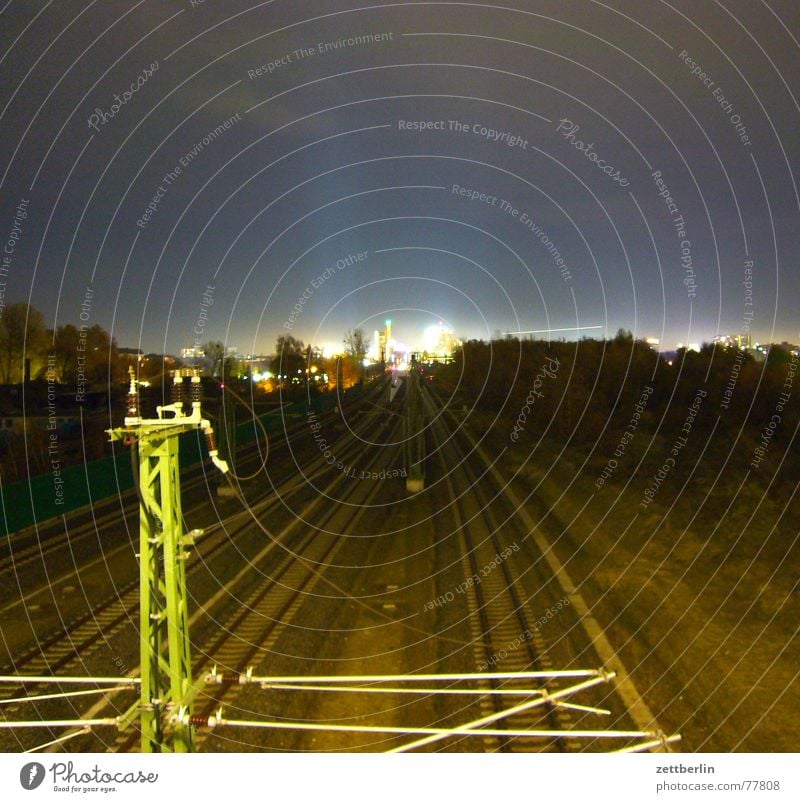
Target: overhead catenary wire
60,740
439,732
372,689
393,689
22,679
510,711
247,678
651,739
341,591
80,722
64,695
231,446
643,747
431,734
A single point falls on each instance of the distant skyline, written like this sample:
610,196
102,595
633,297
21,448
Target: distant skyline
207,168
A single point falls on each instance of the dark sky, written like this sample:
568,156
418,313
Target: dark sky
317,164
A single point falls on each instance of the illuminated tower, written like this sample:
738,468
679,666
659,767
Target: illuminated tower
387,339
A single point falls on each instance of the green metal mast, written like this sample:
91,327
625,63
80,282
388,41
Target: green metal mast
167,690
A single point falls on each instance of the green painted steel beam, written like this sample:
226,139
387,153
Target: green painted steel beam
164,628
165,656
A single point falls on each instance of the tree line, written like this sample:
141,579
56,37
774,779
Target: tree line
296,363
25,338
586,395
598,380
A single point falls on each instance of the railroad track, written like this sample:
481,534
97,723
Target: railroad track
500,622
580,635
504,635
68,645
47,540
68,540
250,630
65,651
63,646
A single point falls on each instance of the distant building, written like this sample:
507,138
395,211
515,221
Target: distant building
192,353
375,351
448,342
383,344
445,345
131,356
258,365
741,341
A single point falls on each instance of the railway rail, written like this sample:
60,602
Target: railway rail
65,649
269,590
503,617
249,631
48,537
500,623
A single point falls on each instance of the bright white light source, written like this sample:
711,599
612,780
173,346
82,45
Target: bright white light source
431,338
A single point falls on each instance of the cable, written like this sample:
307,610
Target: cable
340,590
232,446
308,563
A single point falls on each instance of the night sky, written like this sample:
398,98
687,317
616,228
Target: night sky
515,166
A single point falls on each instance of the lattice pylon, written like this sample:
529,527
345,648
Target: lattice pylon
166,679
